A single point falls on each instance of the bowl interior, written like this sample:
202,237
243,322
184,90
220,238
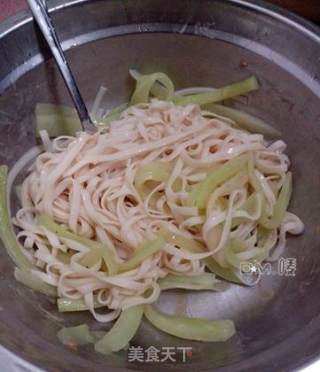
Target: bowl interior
281,312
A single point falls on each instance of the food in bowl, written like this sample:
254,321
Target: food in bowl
171,191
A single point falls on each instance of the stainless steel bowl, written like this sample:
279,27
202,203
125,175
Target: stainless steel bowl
197,42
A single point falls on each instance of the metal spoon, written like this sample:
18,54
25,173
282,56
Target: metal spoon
42,17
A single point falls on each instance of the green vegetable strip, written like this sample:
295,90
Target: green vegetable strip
64,257
236,253
252,177
122,331
113,114
147,250
233,247
191,328
97,252
145,84
250,203
199,196
92,257
155,171
57,120
182,242
220,271
218,95
6,233
204,281
35,283
67,305
157,89
196,247
245,121
248,207
280,206
79,335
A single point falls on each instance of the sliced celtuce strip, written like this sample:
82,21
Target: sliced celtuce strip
222,272
196,247
30,280
235,182
191,328
245,121
56,120
63,257
122,331
92,257
6,233
249,208
145,84
193,90
236,253
218,95
97,249
158,90
204,281
252,176
281,205
200,195
145,251
182,242
67,305
156,171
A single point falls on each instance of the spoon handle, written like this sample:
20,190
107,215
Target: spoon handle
42,17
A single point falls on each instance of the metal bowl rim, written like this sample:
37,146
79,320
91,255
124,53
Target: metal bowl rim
297,22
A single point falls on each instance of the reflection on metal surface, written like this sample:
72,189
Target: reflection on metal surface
12,363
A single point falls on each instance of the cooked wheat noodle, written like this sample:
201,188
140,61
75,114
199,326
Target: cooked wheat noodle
88,184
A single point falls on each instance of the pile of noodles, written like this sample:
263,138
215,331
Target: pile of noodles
146,191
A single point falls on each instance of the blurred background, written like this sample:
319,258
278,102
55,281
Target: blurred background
307,8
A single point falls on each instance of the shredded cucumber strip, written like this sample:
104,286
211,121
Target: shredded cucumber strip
218,95
191,328
122,331
6,232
